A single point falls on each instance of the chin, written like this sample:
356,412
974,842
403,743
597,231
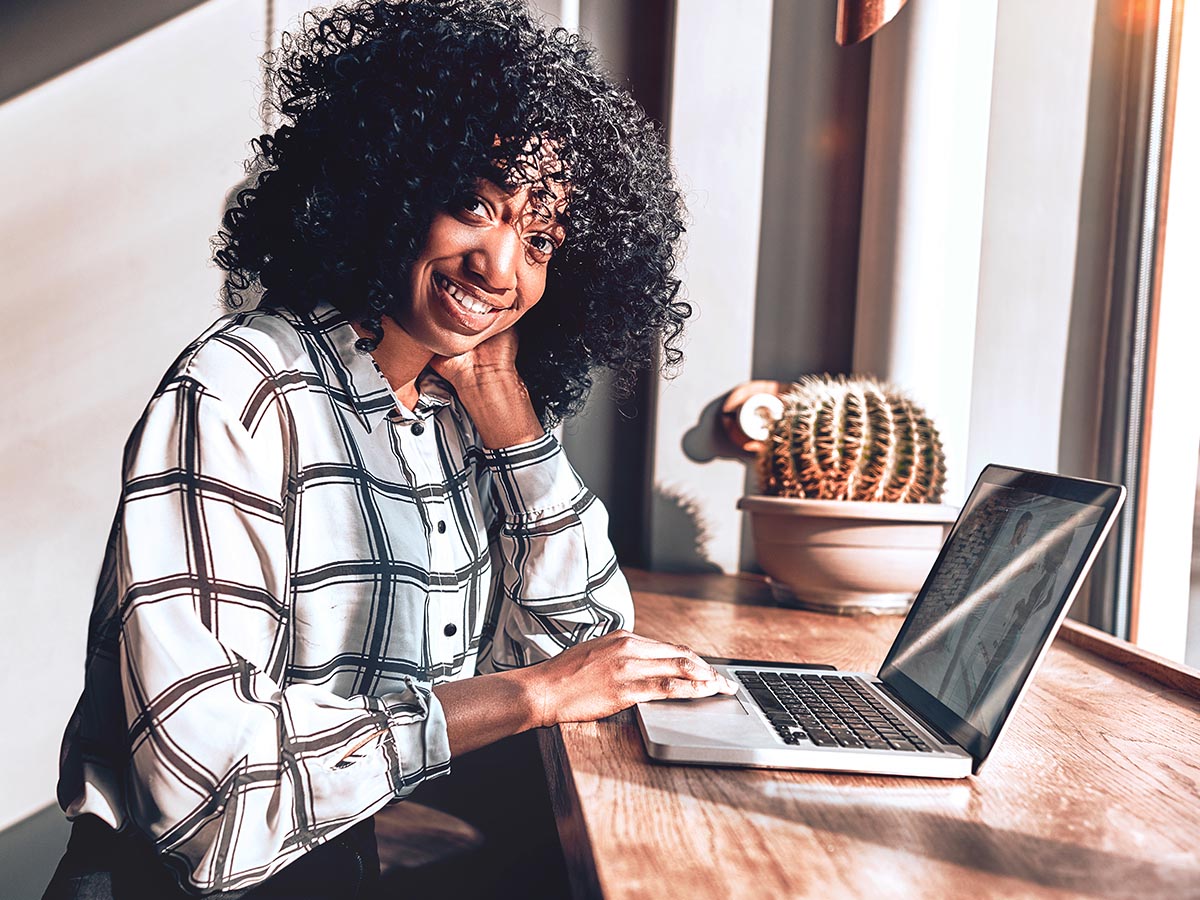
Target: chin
437,340
453,344
454,350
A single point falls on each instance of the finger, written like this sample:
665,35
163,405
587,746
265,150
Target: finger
638,646
648,648
667,666
667,687
685,667
682,658
695,665
728,686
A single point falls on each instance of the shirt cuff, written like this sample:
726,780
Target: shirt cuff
418,726
534,479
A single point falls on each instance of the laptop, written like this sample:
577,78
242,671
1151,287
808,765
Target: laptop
962,660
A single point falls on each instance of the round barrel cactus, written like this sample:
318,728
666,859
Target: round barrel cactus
852,439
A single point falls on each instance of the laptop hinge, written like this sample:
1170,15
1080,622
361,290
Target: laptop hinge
899,701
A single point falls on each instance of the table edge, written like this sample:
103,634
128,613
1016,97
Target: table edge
1129,656
573,836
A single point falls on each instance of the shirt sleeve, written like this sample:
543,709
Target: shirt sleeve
231,774
556,581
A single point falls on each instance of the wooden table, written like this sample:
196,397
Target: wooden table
1094,791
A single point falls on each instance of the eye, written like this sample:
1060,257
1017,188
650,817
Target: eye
474,204
542,245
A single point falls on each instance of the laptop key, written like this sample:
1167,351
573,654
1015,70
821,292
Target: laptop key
823,739
765,699
877,744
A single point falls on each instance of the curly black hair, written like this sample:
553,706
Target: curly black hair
391,111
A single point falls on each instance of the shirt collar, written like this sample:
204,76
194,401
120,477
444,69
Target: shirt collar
356,372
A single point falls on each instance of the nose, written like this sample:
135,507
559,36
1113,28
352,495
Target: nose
495,258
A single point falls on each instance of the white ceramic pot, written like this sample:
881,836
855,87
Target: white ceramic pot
846,556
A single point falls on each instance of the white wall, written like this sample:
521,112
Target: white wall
718,119
114,176
976,145
559,12
1036,151
923,211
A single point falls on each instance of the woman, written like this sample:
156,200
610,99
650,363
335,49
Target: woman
340,506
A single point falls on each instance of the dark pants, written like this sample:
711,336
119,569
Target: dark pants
101,864
499,789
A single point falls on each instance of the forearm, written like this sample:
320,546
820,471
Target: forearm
590,681
487,708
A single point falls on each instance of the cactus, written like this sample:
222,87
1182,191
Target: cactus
852,439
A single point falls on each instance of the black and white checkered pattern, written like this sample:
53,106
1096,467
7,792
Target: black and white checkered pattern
296,560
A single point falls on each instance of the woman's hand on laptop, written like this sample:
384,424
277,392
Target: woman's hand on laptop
603,676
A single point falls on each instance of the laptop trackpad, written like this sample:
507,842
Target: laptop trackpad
723,706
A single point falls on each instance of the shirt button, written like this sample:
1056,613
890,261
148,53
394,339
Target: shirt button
450,630
418,429
441,527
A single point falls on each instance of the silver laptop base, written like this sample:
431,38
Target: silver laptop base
733,731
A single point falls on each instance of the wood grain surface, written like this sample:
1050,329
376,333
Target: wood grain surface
1094,791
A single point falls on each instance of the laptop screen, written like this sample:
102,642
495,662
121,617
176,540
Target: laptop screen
996,594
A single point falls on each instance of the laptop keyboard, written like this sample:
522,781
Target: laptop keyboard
829,712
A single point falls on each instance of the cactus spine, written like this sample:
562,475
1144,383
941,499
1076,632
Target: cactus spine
852,439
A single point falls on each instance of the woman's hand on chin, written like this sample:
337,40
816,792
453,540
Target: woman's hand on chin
488,385
493,359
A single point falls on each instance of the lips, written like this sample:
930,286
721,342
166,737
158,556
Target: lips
464,307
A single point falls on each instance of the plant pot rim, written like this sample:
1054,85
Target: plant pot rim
849,509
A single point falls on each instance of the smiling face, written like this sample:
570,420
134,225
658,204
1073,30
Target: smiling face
482,268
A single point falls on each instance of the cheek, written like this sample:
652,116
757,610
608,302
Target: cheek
515,315
533,287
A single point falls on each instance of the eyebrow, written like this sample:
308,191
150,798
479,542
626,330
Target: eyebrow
494,178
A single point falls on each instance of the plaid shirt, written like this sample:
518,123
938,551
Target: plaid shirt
296,559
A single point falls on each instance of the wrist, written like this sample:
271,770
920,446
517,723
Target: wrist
490,384
536,697
499,405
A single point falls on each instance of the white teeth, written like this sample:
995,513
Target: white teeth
464,300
